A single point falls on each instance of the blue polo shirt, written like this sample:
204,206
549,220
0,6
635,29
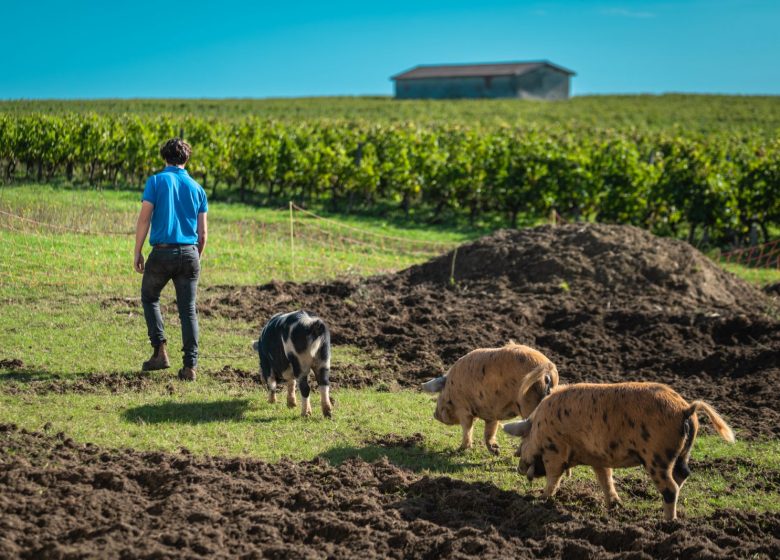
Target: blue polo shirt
177,200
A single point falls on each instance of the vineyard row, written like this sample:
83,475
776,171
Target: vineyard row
712,188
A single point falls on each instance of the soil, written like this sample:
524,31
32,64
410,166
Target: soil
20,382
65,500
396,440
11,363
605,303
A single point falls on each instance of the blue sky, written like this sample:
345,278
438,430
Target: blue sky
242,49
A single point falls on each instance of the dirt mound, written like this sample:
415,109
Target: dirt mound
605,303
64,500
596,260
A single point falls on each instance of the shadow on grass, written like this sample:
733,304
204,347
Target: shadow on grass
188,413
413,458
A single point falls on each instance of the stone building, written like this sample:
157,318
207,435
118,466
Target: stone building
525,80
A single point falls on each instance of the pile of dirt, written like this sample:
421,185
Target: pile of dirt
61,499
595,260
20,382
605,303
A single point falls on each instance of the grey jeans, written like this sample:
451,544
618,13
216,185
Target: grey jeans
182,265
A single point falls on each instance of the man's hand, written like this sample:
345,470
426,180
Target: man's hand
138,263
141,229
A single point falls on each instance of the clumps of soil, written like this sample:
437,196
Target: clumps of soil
19,383
605,303
396,440
13,363
92,383
237,376
61,499
618,262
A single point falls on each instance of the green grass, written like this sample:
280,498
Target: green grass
212,418
71,300
758,276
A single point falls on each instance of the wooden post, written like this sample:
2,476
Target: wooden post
292,245
452,268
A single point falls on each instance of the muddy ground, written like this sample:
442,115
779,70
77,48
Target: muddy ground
65,500
605,303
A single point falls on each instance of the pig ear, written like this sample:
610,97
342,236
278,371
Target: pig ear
434,385
518,429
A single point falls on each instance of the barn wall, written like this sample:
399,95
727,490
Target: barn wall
449,88
542,83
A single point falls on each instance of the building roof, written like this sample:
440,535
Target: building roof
475,70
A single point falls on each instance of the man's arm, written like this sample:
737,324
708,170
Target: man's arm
203,232
141,229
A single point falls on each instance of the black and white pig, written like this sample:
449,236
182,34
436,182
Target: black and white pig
290,345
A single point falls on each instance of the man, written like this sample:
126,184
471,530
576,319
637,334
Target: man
175,206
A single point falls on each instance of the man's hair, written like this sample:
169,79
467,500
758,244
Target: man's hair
176,151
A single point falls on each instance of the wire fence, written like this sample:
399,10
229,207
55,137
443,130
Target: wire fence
766,255
43,252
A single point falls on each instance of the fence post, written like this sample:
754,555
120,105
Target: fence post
452,268
292,245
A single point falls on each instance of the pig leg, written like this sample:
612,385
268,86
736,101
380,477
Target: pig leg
467,423
553,481
303,384
669,490
491,427
270,380
604,476
322,373
681,471
553,468
292,402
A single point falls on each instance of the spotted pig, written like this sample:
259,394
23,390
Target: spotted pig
609,426
486,384
291,345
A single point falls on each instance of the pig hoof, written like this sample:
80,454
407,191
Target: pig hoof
291,404
272,398
327,412
493,448
614,503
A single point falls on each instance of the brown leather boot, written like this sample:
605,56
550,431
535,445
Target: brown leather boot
159,359
187,373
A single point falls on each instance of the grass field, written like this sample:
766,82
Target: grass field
70,308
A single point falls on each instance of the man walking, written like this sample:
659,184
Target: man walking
175,206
